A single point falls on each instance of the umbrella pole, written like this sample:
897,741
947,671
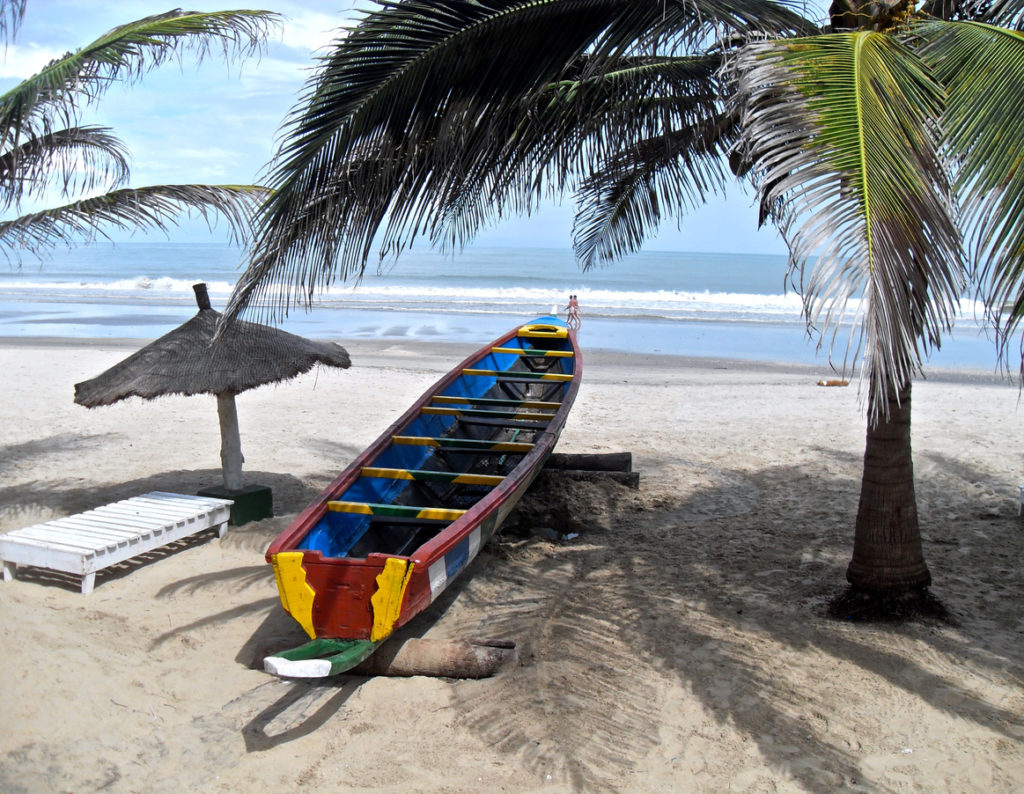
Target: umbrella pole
230,442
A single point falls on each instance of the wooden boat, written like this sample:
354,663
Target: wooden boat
382,542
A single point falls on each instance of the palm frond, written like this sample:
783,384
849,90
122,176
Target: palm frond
404,121
983,69
593,115
11,13
625,201
79,159
148,208
55,94
843,137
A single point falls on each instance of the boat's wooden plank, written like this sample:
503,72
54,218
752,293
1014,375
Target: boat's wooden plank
435,476
471,443
376,509
453,450
484,421
531,351
411,521
537,404
435,410
517,375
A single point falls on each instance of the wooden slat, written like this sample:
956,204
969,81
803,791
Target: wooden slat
427,475
531,351
415,511
86,542
485,412
472,443
518,375
453,400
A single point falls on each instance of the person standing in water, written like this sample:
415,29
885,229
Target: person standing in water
573,317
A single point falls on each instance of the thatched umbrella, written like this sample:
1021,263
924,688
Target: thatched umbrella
185,361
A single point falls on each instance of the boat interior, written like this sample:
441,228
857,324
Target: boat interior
462,444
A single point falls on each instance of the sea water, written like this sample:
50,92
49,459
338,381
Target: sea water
655,302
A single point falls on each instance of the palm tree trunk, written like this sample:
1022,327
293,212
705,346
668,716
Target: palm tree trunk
887,555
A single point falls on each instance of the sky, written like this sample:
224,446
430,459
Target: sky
217,123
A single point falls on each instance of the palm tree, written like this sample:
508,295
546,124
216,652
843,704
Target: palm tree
877,144
43,146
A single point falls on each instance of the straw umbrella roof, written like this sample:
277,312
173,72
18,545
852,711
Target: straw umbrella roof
185,361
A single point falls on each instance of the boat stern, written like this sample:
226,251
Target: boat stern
342,599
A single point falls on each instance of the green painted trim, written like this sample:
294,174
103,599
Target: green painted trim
342,654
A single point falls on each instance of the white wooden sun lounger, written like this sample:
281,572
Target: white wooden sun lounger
88,542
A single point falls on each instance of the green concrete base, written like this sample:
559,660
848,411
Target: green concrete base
251,503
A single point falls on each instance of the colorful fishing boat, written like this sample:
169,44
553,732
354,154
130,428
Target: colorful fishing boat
385,539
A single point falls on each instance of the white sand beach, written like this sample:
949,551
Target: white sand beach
679,643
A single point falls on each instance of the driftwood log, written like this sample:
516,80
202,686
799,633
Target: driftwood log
607,461
614,466
443,658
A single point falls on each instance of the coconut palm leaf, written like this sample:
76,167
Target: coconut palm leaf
984,121
624,202
128,209
408,120
125,53
841,131
79,159
638,106
11,12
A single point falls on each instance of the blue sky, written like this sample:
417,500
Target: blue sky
217,123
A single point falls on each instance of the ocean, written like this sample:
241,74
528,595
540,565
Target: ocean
655,302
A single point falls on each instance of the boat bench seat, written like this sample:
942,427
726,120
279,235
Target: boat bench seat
449,442
412,511
85,543
518,376
424,475
530,351
486,413
502,401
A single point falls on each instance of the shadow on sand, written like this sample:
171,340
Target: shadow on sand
719,589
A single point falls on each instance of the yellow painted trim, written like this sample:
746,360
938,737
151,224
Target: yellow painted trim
440,513
296,594
433,410
387,601
479,479
391,474
446,398
512,446
543,331
518,351
350,507
416,441
546,376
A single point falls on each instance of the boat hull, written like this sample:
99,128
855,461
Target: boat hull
440,480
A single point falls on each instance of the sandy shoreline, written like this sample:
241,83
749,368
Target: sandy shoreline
676,645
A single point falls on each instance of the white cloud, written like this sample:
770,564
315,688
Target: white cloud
22,61
311,31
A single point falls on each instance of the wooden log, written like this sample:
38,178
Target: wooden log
440,658
631,479
609,461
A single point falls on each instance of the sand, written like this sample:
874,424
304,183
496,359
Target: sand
679,643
